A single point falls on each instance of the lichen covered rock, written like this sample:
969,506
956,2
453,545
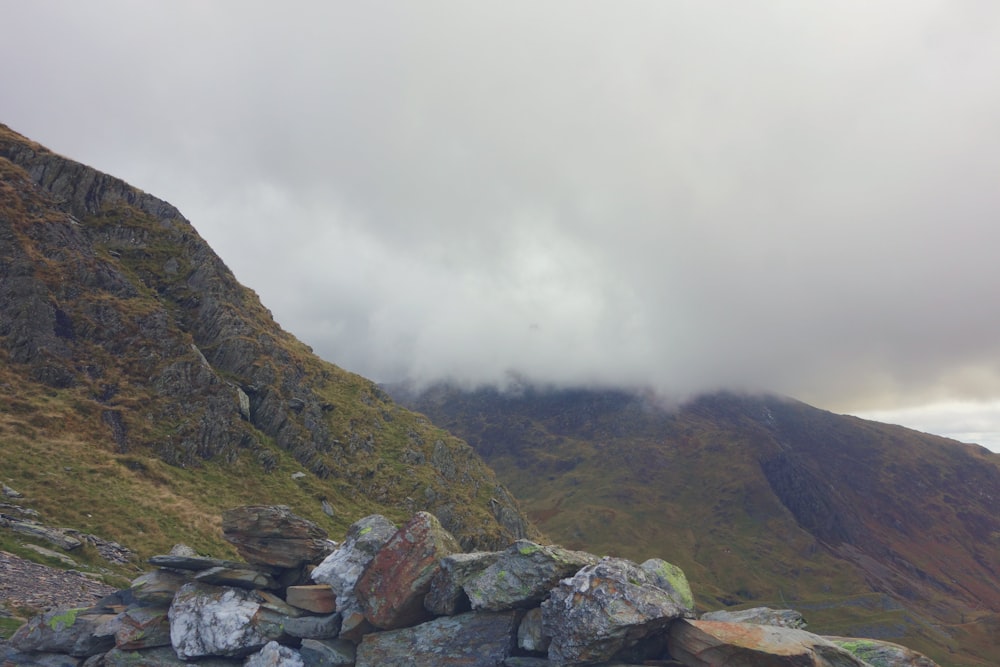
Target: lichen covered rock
603,609
523,575
392,588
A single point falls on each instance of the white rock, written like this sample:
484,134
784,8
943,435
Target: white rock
214,620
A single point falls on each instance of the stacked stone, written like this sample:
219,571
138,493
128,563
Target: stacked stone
408,596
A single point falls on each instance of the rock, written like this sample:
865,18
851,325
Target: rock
354,625
160,657
531,632
327,508
9,492
14,658
333,653
232,576
56,536
49,553
197,563
314,627
272,535
142,627
470,640
183,550
158,586
711,643
318,598
275,655
523,575
277,605
670,578
70,631
341,569
391,590
882,654
216,621
447,596
605,608
784,618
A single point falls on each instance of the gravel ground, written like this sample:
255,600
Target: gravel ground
29,586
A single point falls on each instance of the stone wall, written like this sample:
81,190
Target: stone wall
409,595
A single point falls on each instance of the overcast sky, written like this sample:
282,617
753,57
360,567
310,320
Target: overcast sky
799,197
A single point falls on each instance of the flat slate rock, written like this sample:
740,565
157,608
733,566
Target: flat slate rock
198,563
482,639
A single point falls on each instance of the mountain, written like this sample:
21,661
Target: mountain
866,528
143,389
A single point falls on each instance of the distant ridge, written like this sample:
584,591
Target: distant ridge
761,500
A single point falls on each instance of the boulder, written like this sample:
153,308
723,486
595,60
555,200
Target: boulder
471,640
881,653
605,608
670,578
784,618
391,590
341,569
447,596
713,643
141,626
70,631
216,621
272,535
523,575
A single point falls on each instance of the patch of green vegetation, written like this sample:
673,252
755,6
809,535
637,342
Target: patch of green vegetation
866,650
64,619
9,625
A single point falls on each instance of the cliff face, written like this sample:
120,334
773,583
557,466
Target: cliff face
120,325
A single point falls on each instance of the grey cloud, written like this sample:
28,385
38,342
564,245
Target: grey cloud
791,197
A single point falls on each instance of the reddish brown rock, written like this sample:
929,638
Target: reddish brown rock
318,598
393,586
714,643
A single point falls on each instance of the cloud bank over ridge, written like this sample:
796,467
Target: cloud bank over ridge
792,197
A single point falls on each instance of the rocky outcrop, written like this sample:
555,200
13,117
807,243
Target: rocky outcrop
606,611
110,295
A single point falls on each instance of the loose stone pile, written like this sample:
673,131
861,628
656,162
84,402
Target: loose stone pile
391,596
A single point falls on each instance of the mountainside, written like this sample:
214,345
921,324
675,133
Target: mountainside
143,389
866,528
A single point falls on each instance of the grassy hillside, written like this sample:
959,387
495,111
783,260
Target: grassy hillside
868,529
143,389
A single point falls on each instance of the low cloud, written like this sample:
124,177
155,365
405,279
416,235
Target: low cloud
801,200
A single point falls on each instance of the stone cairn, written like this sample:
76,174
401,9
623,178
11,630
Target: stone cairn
391,596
